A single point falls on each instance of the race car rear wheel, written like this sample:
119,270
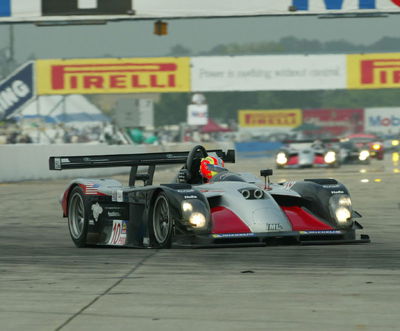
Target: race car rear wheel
77,217
161,222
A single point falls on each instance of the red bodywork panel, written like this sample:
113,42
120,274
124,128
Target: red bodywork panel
64,203
87,190
226,221
319,159
293,160
304,221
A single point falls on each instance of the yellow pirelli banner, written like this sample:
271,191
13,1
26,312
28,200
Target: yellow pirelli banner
125,75
373,71
272,118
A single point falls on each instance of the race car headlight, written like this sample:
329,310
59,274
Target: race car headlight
341,209
342,214
281,158
187,206
376,147
330,157
363,155
395,142
344,200
197,220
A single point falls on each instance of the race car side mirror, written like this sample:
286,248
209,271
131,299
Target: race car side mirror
266,172
230,156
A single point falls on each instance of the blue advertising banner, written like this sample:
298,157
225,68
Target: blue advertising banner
253,149
5,8
16,90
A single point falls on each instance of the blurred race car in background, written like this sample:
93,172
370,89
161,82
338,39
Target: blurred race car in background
368,141
351,153
391,142
228,209
308,154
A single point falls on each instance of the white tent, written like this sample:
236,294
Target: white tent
71,110
47,119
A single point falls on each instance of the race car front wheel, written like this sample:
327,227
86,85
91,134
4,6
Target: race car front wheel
161,222
77,219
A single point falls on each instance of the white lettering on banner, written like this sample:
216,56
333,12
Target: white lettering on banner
11,95
20,88
257,73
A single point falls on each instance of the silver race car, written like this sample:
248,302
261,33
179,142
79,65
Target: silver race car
229,209
307,154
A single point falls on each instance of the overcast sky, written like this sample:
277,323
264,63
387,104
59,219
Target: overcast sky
136,38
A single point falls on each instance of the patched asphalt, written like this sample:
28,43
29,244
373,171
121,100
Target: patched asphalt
48,284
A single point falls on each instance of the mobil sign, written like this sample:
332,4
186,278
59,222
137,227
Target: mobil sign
16,90
382,120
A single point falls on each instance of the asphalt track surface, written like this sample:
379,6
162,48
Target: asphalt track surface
48,284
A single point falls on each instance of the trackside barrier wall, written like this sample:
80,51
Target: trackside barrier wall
31,162
255,149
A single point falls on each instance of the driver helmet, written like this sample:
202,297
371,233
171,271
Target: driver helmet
210,166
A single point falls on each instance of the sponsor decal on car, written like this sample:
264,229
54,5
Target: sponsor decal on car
91,188
118,234
97,210
274,227
232,235
57,163
289,185
117,195
321,232
337,192
190,196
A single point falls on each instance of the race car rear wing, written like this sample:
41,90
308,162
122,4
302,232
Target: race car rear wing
128,160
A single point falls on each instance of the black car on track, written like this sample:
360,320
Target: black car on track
229,209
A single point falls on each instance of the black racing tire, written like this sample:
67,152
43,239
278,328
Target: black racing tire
78,221
161,223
